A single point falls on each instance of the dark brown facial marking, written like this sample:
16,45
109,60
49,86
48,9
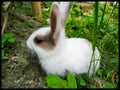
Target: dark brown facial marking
45,42
38,40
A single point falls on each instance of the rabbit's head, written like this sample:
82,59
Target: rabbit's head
48,39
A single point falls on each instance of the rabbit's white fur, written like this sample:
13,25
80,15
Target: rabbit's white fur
69,55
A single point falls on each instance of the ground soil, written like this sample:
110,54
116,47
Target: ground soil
21,69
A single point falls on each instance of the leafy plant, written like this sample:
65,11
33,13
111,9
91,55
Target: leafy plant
54,81
71,81
108,85
7,40
82,82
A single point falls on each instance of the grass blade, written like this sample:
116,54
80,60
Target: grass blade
95,28
103,13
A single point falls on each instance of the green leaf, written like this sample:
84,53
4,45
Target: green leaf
82,82
53,81
71,81
108,85
11,40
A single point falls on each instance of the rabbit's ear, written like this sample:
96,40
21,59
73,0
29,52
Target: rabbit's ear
64,10
55,22
54,16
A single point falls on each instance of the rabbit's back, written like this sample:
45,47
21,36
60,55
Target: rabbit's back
80,50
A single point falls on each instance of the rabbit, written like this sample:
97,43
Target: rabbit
59,54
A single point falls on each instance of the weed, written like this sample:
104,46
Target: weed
54,81
7,41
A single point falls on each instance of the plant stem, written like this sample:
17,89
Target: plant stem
95,27
103,13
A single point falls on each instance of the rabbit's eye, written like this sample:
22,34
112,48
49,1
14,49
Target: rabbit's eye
36,40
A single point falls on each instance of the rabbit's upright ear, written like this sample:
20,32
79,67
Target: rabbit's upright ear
54,16
64,10
55,22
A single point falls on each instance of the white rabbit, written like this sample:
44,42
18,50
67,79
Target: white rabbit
58,54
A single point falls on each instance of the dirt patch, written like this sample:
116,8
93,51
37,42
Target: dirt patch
18,72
